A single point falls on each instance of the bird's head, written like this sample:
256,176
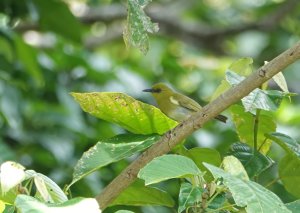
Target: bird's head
160,90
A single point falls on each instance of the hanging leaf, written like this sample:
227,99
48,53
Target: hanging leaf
138,26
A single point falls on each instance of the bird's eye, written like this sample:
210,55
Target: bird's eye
158,90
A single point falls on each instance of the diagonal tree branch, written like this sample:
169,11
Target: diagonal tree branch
184,129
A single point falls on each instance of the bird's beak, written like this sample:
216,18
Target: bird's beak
148,90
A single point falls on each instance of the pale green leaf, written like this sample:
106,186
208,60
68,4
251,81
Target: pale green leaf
138,26
168,167
133,115
47,189
223,87
27,204
251,195
138,194
281,82
234,167
188,196
109,151
242,66
244,123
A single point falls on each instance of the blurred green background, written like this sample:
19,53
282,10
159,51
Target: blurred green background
49,48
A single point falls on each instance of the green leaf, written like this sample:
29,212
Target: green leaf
2,206
294,206
289,174
234,167
133,115
188,196
244,123
242,66
48,190
138,26
168,167
109,151
290,145
27,204
124,211
253,161
268,100
63,22
28,57
251,195
139,195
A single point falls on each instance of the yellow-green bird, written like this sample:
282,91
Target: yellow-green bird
175,105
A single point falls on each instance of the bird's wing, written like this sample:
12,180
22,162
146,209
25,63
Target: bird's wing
185,102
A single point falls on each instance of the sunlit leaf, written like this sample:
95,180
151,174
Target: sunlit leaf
251,195
11,174
28,204
138,26
244,123
281,82
253,161
109,151
138,194
168,167
234,167
133,115
188,196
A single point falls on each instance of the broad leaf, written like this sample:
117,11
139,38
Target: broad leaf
253,161
109,151
168,167
234,167
188,196
251,195
281,82
244,123
133,115
47,189
289,173
138,194
289,165
27,204
268,100
138,26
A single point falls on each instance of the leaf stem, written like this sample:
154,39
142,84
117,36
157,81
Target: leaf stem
255,132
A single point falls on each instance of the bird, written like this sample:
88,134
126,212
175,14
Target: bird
176,105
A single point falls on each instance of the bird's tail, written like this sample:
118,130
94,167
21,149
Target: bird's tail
221,118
